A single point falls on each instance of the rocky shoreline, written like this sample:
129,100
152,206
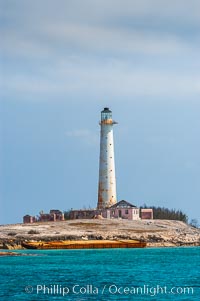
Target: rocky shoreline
156,233
13,254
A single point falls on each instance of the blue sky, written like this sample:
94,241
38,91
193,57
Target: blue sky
61,63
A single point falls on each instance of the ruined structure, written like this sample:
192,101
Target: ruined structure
146,213
53,216
28,219
122,209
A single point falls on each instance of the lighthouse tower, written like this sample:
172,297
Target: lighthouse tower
107,181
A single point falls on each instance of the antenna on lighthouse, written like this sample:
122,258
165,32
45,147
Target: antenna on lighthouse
107,181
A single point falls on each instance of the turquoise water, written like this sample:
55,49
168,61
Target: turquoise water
111,274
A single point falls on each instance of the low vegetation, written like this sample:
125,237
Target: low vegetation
12,233
85,224
194,223
33,232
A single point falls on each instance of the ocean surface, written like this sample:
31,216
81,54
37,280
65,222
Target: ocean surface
105,274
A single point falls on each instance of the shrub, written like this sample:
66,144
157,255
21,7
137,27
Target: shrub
12,233
33,232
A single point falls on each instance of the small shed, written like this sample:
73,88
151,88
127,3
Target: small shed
146,213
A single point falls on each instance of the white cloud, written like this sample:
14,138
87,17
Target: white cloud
71,27
115,40
84,135
87,49
59,38
81,77
102,10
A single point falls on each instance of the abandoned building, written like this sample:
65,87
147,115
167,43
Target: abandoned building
84,213
122,210
146,213
52,216
28,219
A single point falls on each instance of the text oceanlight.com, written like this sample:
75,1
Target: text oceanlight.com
109,289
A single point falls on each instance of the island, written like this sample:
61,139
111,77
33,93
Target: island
150,233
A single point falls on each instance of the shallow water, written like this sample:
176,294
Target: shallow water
105,274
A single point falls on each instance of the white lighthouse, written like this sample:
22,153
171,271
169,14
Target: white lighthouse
107,181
